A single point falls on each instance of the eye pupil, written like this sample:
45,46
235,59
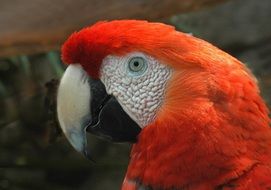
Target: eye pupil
136,63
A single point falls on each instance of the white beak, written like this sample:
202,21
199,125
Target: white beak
73,106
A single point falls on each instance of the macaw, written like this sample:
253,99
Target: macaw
193,112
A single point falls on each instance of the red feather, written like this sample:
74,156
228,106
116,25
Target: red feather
90,45
212,131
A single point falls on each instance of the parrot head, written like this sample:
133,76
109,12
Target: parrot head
168,92
114,85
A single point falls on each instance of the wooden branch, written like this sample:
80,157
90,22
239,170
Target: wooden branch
33,26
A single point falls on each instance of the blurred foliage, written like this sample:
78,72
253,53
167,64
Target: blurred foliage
33,152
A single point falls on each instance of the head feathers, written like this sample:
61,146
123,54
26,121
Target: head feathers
90,45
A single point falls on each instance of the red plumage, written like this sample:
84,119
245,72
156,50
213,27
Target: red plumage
212,131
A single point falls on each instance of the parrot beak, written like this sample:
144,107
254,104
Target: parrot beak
84,106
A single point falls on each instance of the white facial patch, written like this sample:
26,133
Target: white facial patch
138,82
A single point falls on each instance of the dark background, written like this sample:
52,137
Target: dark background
33,152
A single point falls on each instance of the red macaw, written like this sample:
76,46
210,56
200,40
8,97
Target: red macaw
193,112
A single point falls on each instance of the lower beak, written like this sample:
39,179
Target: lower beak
83,105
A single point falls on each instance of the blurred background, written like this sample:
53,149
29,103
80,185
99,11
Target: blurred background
33,152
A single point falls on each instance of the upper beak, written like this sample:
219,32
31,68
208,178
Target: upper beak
83,105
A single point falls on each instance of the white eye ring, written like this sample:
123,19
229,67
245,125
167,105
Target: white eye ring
137,65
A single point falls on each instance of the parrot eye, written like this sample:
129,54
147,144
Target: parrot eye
137,65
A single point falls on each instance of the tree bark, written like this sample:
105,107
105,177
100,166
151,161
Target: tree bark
33,26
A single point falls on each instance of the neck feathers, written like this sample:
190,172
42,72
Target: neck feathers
200,145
